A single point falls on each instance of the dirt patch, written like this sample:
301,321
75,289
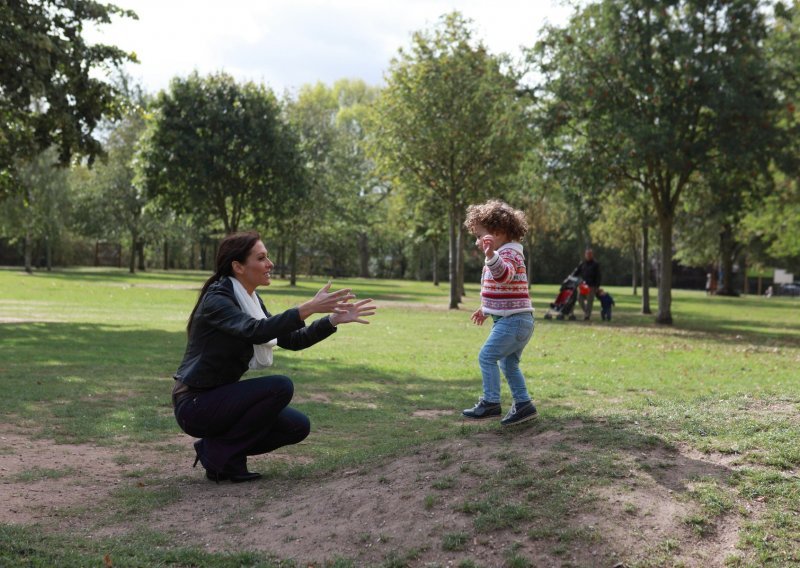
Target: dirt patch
405,508
433,413
41,480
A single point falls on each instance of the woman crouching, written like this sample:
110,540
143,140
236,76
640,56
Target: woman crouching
230,331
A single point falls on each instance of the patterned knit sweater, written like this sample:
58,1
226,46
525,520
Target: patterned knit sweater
504,282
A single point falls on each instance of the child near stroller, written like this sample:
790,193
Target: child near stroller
606,301
565,301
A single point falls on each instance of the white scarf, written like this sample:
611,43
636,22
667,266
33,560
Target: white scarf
262,352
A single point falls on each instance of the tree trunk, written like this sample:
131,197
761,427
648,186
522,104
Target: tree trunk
727,250
435,267
634,268
402,262
203,254
461,239
132,261
363,255
664,314
166,253
646,269
453,263
282,260
746,288
28,254
293,263
192,257
529,259
48,251
140,254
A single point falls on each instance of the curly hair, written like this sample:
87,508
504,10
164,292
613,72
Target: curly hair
497,216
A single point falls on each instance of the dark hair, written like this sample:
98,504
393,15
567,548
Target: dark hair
495,215
234,247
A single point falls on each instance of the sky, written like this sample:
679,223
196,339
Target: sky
288,43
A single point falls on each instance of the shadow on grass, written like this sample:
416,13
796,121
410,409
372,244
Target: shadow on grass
379,290
85,381
122,275
599,438
80,381
738,326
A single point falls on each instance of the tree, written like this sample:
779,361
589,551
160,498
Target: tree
220,150
112,201
39,210
660,91
347,195
449,120
49,93
624,223
776,222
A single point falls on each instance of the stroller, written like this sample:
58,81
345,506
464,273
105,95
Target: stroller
565,301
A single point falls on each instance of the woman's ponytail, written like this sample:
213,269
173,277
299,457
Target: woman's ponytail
235,247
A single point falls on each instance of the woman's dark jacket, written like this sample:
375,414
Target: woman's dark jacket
221,337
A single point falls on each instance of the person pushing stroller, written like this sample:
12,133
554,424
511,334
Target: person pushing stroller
589,271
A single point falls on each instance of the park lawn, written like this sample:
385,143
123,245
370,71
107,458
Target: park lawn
87,357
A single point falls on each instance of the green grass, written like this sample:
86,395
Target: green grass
87,357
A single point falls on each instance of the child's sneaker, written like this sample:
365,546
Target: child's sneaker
482,410
520,412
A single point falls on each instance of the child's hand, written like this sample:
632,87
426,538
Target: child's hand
478,317
487,242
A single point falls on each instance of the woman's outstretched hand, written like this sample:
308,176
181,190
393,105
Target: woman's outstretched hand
346,312
325,301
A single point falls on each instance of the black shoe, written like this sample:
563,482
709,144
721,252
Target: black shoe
236,470
216,476
243,477
482,410
520,412
210,473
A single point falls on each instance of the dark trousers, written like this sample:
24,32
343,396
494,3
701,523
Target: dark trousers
246,418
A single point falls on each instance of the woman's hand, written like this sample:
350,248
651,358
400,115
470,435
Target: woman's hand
325,301
355,312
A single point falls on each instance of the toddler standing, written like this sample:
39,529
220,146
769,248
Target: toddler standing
498,228
606,301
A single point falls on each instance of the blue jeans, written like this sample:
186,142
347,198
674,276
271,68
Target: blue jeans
502,351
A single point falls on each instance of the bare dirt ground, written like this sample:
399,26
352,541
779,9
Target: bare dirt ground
369,514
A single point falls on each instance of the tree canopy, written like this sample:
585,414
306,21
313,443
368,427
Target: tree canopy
220,150
660,92
48,93
449,121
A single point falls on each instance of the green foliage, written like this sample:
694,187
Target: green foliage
777,222
49,94
110,200
656,94
41,208
448,124
220,150
348,199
